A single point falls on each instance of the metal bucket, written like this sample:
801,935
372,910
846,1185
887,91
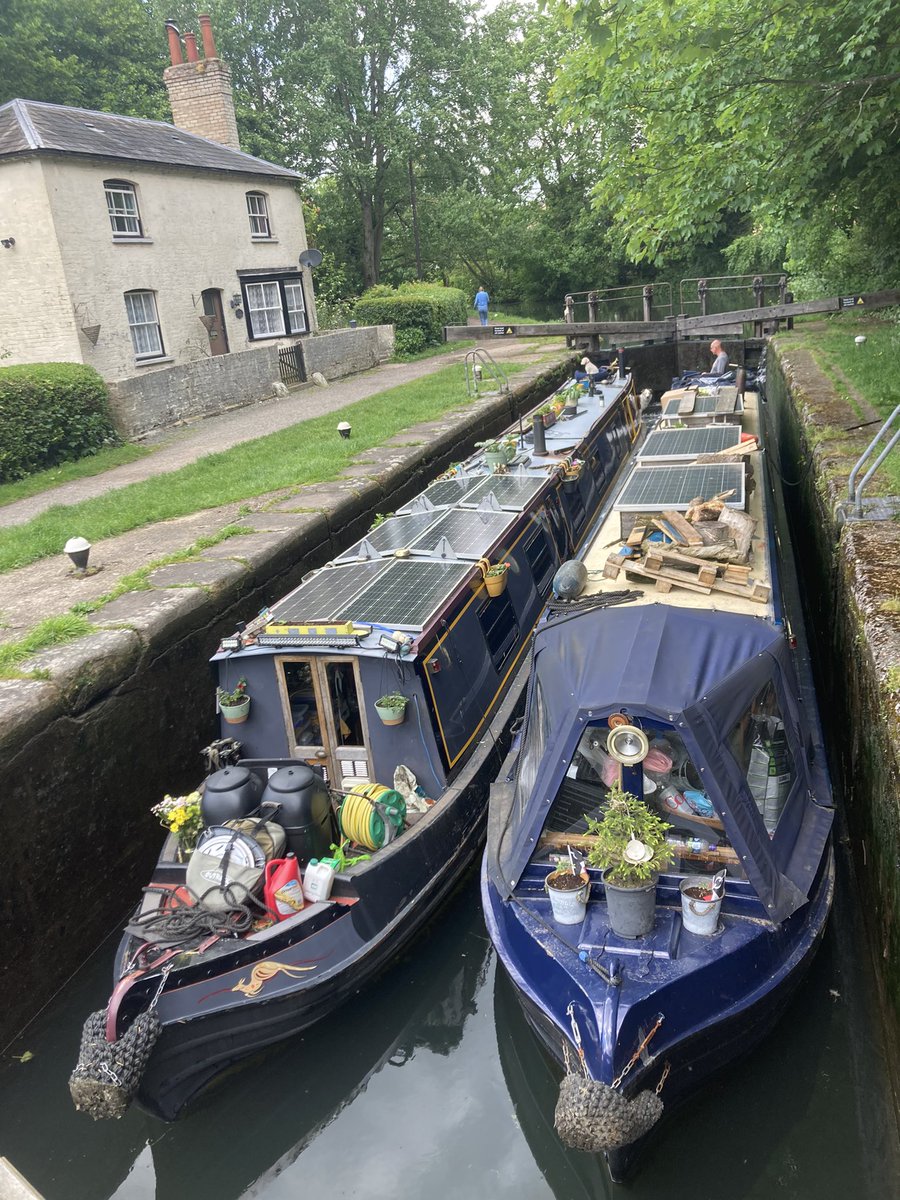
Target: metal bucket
699,916
569,905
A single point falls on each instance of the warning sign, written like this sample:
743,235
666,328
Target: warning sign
851,301
504,331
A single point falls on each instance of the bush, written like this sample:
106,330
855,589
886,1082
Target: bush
408,342
427,307
51,413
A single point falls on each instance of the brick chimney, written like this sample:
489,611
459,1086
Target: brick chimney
200,89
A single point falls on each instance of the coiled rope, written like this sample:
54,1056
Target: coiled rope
596,600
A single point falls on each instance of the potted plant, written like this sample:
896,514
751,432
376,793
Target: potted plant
180,815
568,888
498,451
630,847
391,708
495,577
234,705
547,413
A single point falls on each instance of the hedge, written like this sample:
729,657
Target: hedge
51,413
424,306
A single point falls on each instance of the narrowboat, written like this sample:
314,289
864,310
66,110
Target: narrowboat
375,703
659,867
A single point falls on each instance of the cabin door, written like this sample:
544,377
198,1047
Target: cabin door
325,720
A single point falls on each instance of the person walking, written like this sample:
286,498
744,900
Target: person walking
482,300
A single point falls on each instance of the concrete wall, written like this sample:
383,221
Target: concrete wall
160,398
123,713
196,236
37,323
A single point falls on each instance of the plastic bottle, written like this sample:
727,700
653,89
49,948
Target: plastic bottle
282,889
318,879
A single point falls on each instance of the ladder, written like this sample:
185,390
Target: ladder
483,374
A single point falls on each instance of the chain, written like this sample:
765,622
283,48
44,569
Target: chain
164,975
662,1079
637,1054
576,1035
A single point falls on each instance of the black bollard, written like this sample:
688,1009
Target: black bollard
539,441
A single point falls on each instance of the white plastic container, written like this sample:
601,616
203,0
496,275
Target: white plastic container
317,881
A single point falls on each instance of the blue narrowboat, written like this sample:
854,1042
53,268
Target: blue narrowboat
673,740
381,695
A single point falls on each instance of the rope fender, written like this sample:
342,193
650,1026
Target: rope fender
108,1073
594,1117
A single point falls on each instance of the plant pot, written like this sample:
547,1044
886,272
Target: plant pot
496,584
568,896
235,714
391,714
699,916
631,910
549,419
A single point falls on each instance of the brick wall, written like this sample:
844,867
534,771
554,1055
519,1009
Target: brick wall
201,99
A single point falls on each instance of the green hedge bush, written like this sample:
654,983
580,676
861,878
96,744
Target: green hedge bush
51,413
425,306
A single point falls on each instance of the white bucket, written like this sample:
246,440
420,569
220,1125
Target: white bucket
569,905
699,916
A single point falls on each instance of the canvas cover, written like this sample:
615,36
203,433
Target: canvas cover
698,671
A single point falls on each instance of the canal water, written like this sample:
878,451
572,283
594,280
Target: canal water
430,1084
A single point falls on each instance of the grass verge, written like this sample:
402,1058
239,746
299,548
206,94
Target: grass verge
309,452
51,632
43,481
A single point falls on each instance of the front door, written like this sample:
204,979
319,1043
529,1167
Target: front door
324,717
215,321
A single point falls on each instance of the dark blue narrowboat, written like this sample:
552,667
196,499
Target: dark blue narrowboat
382,691
692,703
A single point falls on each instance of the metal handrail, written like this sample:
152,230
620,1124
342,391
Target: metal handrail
478,364
854,493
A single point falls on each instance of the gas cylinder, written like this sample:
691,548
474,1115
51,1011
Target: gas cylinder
282,890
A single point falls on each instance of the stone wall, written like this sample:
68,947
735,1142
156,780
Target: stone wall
852,578
121,715
347,351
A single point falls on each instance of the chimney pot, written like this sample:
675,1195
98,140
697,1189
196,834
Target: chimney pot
174,43
190,41
209,42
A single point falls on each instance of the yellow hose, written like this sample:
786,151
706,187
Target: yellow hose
362,822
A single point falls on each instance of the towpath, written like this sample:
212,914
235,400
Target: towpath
48,587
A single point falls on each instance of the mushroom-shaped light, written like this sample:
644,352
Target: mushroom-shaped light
78,549
344,429
860,339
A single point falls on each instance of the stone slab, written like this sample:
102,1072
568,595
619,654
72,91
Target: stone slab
28,705
156,615
14,1186
197,573
85,669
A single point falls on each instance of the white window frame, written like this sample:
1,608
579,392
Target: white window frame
283,302
143,324
122,207
258,213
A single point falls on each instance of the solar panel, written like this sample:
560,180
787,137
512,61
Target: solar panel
407,593
649,489
470,534
703,405
687,444
325,597
512,491
448,491
393,534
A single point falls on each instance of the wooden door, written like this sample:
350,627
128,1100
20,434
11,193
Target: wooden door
215,321
324,717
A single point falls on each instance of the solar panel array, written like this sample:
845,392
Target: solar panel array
689,443
470,534
402,593
393,534
511,491
447,491
707,405
651,489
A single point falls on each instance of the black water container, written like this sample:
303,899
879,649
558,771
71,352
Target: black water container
305,810
230,794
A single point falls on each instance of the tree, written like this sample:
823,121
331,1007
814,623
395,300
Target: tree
709,107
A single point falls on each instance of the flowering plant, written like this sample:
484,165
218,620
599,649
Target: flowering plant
497,569
237,696
181,816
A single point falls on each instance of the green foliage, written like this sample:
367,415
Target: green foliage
627,819
53,631
50,413
414,308
408,342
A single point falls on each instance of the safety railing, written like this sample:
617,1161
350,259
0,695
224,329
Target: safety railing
853,506
484,374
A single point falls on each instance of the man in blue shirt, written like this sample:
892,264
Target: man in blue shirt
481,304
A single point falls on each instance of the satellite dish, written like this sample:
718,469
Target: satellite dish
311,258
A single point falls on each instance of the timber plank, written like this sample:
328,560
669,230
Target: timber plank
688,534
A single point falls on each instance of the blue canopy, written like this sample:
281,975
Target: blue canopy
697,670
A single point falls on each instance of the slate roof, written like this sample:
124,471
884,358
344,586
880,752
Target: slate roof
30,126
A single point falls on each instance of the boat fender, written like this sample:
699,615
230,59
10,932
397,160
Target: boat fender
569,580
107,1074
595,1117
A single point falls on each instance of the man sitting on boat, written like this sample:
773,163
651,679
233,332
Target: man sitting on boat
720,361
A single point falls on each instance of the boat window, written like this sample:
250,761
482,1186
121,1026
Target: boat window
537,552
344,704
760,748
500,627
535,737
301,691
672,787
